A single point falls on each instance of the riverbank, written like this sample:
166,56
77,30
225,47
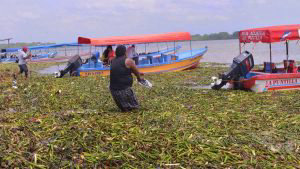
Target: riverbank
56,123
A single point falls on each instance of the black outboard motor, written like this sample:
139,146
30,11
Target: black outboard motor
73,64
241,65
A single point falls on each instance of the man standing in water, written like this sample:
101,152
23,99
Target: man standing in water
22,56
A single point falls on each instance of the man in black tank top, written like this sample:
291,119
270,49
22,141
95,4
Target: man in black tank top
121,80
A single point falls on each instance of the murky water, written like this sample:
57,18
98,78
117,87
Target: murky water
52,69
208,87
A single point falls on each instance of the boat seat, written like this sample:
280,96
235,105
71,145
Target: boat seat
150,58
270,67
165,58
156,60
144,61
161,59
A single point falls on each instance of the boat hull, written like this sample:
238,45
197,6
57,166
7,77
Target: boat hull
271,82
173,66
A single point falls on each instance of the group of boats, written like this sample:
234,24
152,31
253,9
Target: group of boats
172,59
39,53
13,58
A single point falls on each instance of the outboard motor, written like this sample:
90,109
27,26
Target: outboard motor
73,64
241,65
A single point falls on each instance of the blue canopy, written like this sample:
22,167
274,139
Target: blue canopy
45,47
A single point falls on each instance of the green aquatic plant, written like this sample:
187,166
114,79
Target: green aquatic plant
73,123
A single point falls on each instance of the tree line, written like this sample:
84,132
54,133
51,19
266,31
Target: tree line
216,36
212,36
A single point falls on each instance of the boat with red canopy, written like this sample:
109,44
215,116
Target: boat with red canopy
165,60
270,77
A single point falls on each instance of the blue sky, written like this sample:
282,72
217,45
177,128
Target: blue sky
65,20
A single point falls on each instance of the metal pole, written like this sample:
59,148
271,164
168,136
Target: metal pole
240,47
174,47
191,48
287,50
270,53
65,50
145,48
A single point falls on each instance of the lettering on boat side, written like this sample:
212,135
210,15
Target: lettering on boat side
91,73
281,82
253,36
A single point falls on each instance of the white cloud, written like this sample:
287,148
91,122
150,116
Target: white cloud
64,20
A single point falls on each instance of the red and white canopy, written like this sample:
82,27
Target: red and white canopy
270,34
124,40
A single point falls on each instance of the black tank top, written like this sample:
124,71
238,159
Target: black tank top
120,75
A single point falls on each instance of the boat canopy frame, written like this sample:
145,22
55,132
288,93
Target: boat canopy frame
272,34
138,39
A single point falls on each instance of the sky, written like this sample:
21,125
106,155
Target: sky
64,20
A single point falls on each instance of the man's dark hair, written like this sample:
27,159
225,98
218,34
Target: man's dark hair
120,51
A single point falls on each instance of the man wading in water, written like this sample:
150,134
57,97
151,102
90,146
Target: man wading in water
121,80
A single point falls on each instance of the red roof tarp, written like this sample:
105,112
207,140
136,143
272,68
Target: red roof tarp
123,40
270,34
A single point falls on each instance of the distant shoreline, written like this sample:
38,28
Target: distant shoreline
216,36
213,39
195,37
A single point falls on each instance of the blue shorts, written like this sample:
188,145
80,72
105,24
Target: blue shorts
23,68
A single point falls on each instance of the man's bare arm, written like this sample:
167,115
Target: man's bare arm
131,64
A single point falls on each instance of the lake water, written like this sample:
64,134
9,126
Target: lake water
220,51
223,51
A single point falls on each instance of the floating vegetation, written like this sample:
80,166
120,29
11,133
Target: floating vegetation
74,123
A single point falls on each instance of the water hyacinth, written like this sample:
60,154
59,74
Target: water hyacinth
73,123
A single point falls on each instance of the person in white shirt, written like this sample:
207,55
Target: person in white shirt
22,57
131,53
